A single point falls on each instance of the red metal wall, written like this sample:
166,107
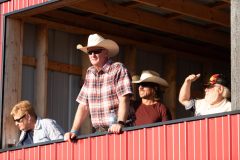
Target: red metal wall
207,139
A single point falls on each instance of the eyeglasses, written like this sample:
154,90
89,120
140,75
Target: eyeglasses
212,86
19,119
95,51
147,84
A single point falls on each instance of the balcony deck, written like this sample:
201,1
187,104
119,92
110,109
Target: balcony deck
204,137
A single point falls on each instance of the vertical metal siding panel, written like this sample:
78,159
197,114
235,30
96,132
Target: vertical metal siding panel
169,142
197,140
181,140
190,140
52,151
103,148
123,146
203,138
131,145
176,143
218,139
151,145
235,136
162,142
94,148
87,149
60,152
118,149
212,139
225,138
138,143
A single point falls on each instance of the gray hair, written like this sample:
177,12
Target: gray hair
226,93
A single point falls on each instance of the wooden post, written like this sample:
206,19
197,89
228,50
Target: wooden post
41,71
130,56
235,54
170,96
12,78
86,127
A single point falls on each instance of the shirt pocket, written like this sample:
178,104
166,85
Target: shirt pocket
40,136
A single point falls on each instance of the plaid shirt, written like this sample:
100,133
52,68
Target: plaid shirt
101,91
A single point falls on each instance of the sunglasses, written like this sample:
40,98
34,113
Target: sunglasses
147,84
19,119
95,51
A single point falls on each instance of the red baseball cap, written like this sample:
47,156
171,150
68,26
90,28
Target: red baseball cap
217,79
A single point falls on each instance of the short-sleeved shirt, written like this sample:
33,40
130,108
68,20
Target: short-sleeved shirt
201,107
101,91
146,114
44,130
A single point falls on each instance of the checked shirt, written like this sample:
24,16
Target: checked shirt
101,91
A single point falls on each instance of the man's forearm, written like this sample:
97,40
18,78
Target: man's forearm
80,116
185,92
123,109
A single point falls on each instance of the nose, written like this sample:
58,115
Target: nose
16,123
206,89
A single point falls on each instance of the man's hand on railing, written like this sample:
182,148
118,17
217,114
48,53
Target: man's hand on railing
115,128
69,136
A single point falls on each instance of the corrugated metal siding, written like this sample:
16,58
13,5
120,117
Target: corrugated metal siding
14,5
207,139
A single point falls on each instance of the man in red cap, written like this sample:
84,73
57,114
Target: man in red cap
216,95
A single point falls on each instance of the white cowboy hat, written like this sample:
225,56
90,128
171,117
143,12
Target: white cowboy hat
95,40
151,76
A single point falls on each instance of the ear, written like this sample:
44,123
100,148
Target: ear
221,89
28,116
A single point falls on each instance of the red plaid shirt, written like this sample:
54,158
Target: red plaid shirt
101,91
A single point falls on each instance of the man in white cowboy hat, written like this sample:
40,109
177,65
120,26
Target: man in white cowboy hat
150,109
106,91
216,95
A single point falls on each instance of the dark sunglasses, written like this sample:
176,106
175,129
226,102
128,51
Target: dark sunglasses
19,119
95,51
147,84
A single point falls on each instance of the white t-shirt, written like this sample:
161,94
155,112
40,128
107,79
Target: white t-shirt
203,108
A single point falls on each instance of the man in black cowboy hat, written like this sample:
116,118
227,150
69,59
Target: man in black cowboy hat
216,95
150,109
106,91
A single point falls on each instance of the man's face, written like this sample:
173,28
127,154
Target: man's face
146,90
213,94
97,56
21,122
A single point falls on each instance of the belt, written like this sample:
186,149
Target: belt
101,128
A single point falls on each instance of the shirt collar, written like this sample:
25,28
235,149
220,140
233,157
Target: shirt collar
105,68
37,124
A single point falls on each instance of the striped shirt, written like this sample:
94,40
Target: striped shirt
101,91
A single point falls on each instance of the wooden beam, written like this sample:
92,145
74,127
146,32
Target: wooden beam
40,102
29,61
55,66
12,78
130,58
220,4
125,35
227,1
153,21
133,34
191,9
170,75
64,68
174,16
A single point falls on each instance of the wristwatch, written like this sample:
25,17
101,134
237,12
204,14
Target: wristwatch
121,122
